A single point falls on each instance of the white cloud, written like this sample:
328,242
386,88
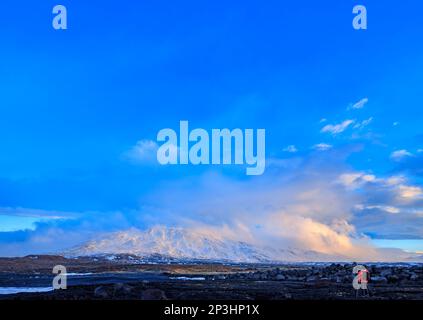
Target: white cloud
394,187
36,213
389,209
402,190
363,124
305,212
301,208
395,180
410,192
360,104
145,151
322,146
291,148
398,155
355,179
337,128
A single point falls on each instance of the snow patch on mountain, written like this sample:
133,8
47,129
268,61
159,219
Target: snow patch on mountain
180,243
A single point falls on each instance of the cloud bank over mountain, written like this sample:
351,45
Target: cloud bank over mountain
310,203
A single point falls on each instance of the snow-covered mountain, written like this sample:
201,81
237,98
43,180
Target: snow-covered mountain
179,243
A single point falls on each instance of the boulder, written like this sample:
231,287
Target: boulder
312,279
379,279
153,294
414,277
386,272
122,289
280,277
101,292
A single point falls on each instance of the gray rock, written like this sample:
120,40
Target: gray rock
379,279
122,289
256,276
386,273
414,277
153,294
280,277
101,292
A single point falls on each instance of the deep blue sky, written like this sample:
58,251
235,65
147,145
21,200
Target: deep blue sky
72,103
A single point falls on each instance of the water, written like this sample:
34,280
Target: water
189,278
17,283
14,290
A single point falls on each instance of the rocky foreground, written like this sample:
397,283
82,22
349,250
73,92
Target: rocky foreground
218,281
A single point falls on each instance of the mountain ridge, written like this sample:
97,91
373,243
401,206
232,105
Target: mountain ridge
184,244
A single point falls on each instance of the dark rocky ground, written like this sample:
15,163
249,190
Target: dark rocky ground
240,282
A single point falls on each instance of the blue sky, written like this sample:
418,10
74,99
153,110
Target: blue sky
75,103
